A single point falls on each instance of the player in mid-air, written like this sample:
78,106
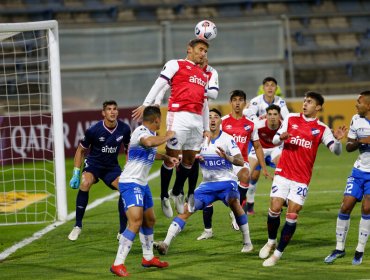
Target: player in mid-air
358,183
186,108
243,131
219,183
103,141
302,134
135,191
267,129
257,110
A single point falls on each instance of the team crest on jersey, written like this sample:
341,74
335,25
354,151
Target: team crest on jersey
282,102
174,141
315,131
294,126
247,127
102,139
119,138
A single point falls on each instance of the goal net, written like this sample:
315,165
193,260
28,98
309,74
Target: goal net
32,169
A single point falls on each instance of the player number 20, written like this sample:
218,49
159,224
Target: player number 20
302,191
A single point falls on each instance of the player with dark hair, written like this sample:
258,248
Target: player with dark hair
302,134
258,105
219,183
257,110
103,141
186,108
135,192
358,183
266,131
243,131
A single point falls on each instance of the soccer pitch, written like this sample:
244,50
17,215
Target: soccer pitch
55,257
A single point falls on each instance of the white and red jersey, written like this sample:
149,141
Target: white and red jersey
212,89
266,134
242,130
300,149
188,82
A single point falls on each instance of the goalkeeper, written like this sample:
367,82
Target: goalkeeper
103,140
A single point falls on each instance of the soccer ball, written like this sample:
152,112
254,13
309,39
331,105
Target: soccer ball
206,30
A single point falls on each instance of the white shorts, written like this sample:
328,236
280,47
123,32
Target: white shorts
273,153
188,128
236,168
288,189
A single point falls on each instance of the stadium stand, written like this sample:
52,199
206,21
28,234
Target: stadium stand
327,37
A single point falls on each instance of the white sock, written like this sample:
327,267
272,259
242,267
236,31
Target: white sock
251,193
363,234
123,250
245,231
147,246
341,233
172,232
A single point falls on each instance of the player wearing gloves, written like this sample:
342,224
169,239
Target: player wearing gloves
103,140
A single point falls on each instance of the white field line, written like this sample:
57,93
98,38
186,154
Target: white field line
37,235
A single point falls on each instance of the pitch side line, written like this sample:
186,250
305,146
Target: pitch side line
71,216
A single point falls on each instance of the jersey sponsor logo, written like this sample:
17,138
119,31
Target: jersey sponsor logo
215,162
102,139
109,150
188,67
119,138
229,126
315,131
195,80
254,103
240,139
301,142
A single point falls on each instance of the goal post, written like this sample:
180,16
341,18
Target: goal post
32,162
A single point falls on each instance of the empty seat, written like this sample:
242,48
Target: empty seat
324,57
277,8
325,7
347,40
318,23
326,40
336,22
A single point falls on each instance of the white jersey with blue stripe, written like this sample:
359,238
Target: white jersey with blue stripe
214,167
360,128
258,105
140,158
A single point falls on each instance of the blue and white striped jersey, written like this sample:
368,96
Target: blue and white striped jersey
214,167
360,128
140,158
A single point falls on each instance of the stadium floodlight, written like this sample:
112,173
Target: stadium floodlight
32,164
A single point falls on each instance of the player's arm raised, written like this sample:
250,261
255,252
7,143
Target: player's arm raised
155,141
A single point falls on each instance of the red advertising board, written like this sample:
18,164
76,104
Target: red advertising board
29,137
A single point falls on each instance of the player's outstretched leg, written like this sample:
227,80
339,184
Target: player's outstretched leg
175,228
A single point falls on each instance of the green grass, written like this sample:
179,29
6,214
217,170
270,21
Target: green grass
55,257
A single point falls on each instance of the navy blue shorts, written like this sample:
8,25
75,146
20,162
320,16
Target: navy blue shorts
107,175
